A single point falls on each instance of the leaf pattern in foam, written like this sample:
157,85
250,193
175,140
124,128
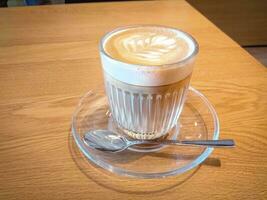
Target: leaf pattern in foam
150,46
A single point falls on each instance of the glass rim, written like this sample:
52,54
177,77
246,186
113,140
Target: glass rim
185,59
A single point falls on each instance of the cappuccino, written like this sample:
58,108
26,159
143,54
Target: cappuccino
147,71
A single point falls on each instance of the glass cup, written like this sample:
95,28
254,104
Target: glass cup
146,101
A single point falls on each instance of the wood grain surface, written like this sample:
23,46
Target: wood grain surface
49,58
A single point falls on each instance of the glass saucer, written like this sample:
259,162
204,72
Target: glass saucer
197,121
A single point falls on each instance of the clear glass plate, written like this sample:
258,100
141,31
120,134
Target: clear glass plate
197,121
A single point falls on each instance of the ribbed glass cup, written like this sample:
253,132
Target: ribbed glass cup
145,111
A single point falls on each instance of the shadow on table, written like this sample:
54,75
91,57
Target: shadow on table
130,185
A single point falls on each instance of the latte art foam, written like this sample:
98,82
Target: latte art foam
147,46
148,55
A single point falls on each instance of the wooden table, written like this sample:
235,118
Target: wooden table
49,58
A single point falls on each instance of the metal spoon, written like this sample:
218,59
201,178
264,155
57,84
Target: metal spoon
106,140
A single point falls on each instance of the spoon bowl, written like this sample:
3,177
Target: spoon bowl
105,140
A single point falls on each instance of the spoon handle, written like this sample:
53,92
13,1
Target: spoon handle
207,143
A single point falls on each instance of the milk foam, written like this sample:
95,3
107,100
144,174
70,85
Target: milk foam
147,46
148,55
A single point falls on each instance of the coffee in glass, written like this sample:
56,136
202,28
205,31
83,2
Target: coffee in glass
147,70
